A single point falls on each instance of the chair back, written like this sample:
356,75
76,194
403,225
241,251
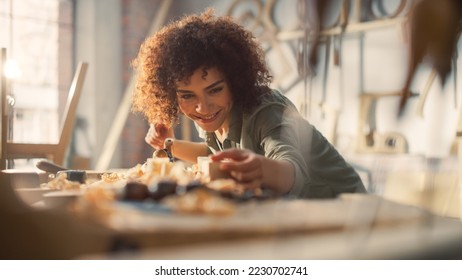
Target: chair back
70,111
52,152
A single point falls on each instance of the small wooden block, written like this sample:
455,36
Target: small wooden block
215,172
211,169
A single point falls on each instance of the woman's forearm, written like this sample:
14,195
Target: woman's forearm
278,175
188,151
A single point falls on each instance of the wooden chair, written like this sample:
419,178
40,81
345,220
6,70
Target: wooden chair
53,152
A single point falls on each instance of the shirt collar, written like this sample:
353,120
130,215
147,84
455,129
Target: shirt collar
235,127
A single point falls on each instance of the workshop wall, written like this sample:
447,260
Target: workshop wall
373,61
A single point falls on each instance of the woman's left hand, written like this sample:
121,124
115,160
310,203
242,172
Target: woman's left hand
244,166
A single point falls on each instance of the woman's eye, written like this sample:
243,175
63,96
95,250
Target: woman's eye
216,90
186,96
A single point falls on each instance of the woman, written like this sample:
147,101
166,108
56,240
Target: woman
212,70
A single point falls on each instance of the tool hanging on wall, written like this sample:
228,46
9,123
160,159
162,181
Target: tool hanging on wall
313,16
424,93
304,75
454,72
336,42
342,23
369,139
328,41
325,76
338,39
303,63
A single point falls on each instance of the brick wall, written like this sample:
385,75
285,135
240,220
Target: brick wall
137,17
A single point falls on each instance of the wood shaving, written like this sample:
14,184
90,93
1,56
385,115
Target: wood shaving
200,202
95,203
226,185
60,182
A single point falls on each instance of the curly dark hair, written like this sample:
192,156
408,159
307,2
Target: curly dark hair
183,46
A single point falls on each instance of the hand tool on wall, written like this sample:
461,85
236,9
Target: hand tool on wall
424,93
454,72
316,18
312,15
337,41
371,141
323,8
304,67
343,22
325,76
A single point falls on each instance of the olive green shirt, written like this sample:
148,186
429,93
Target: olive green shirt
276,130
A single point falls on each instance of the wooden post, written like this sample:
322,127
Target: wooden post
459,159
3,110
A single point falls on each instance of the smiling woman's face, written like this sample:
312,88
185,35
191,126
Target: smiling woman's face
206,99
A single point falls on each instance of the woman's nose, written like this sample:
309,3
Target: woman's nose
203,106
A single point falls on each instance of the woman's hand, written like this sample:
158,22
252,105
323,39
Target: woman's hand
244,166
254,171
157,134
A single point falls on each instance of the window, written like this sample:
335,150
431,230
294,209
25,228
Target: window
38,36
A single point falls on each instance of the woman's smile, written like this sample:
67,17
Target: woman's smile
208,118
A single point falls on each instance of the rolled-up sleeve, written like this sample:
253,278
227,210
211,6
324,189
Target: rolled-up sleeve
278,130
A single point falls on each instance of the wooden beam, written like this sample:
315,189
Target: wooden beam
355,27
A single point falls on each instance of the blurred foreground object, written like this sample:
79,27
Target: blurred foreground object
29,233
434,28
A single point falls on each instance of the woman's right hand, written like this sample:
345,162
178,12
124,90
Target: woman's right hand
157,134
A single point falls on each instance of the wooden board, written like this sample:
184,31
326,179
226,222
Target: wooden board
270,217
